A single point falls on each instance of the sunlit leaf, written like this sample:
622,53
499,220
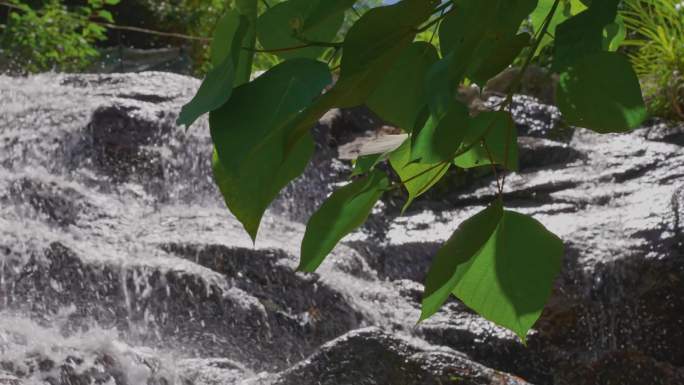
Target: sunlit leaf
500,141
510,278
365,164
441,136
463,245
345,210
417,177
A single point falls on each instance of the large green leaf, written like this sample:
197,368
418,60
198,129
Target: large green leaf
463,245
249,190
217,86
441,136
248,132
480,33
371,47
279,24
601,92
500,141
417,177
259,108
509,279
401,95
582,34
345,210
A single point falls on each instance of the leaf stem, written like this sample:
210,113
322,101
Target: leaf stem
518,80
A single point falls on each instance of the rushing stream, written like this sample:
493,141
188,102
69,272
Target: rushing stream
119,263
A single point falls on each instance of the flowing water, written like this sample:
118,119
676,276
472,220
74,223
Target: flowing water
119,263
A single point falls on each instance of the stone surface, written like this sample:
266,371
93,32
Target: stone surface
120,263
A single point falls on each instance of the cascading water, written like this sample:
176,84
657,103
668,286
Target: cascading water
119,263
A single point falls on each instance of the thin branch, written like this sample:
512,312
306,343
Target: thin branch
293,48
518,80
266,4
492,163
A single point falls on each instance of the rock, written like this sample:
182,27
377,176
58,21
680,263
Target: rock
663,131
370,356
625,367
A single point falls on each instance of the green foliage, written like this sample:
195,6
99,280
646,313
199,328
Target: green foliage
416,176
395,98
345,210
602,91
253,163
657,39
500,263
491,139
53,37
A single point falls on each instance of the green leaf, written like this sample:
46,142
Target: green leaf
325,10
539,14
400,96
601,92
463,245
365,164
371,47
279,24
441,136
345,210
416,177
510,278
496,57
248,132
480,36
243,69
582,34
223,42
217,86
249,190
501,140
614,35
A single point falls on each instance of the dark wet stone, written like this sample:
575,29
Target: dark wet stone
370,356
624,367
663,131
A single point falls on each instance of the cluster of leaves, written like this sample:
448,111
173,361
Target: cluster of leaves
500,263
53,37
658,55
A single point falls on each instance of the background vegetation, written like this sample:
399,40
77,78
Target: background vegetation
72,35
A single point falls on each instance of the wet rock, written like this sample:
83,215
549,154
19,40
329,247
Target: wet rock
216,371
62,206
370,356
534,118
663,131
626,367
542,153
122,143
